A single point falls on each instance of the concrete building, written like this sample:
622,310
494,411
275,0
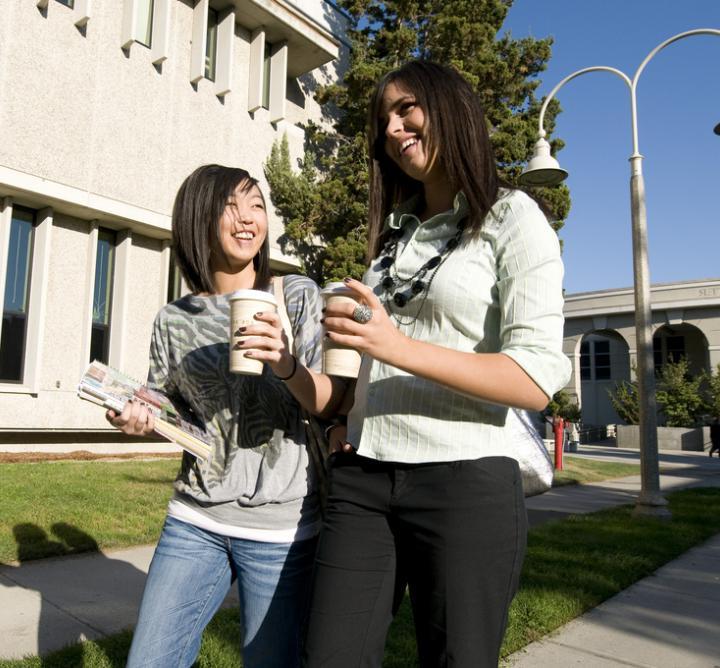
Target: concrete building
104,108
600,338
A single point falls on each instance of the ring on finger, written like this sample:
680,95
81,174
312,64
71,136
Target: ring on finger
362,314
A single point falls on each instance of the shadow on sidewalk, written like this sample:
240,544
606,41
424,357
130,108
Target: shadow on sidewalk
81,597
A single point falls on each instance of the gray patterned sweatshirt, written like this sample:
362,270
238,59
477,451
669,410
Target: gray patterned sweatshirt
259,476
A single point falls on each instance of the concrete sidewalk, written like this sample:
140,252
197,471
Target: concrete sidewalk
50,603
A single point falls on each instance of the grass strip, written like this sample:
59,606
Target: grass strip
56,508
572,565
66,507
578,470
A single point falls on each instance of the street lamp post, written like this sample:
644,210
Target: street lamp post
544,170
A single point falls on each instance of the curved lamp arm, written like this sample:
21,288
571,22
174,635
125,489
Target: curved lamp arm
570,77
632,84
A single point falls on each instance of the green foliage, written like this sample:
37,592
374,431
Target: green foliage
679,395
563,406
626,402
324,203
713,392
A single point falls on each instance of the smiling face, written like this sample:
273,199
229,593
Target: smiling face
242,229
407,138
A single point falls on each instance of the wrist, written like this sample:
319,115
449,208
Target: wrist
291,371
339,421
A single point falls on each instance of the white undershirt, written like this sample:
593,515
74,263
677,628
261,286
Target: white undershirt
185,513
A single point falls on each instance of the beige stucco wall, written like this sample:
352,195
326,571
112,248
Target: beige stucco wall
100,133
690,308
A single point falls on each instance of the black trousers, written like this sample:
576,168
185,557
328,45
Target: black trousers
454,532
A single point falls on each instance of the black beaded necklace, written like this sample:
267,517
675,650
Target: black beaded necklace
399,291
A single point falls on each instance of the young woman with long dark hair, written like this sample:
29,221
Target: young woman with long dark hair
460,319
251,513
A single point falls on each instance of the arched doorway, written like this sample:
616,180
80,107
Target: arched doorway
671,342
604,361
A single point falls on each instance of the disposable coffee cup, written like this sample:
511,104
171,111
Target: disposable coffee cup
339,360
244,304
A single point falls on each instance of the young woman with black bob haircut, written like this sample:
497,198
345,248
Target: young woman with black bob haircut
251,514
461,318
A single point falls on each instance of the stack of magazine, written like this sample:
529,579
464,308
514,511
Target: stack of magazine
107,387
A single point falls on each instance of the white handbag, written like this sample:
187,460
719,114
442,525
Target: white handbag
526,446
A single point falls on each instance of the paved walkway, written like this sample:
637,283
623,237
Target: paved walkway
671,619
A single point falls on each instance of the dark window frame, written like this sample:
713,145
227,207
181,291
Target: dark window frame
12,369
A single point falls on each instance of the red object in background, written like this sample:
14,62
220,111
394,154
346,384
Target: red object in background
559,430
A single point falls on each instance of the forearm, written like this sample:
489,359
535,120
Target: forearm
317,393
492,377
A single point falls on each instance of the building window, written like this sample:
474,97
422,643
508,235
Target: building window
143,22
211,44
595,360
667,349
17,295
585,371
602,360
102,296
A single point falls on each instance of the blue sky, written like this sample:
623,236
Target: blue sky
678,107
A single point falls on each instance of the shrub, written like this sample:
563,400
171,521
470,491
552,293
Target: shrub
562,405
625,401
679,395
713,392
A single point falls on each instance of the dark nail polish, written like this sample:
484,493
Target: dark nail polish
322,321
240,331
347,279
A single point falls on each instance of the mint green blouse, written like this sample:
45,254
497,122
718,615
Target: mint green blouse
499,291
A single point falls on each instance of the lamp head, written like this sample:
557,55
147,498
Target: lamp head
543,169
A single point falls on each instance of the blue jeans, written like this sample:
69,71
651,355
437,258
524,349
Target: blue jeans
190,574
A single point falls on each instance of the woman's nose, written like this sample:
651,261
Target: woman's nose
394,126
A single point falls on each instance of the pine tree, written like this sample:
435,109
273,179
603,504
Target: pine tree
325,205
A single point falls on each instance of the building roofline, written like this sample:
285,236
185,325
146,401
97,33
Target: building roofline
699,282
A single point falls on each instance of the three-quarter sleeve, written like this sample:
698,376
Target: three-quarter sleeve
530,274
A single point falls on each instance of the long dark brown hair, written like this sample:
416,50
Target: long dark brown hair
455,133
199,205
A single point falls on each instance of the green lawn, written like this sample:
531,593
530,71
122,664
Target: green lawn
571,566
54,508
579,470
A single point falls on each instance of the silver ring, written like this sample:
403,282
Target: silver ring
362,314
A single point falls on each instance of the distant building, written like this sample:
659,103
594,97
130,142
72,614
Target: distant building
600,338
104,108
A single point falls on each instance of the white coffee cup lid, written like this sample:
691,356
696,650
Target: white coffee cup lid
258,295
336,288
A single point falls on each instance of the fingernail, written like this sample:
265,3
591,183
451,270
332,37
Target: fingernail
238,345
258,314
322,321
347,279
323,310
240,331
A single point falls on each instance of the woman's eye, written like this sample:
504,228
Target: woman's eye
406,107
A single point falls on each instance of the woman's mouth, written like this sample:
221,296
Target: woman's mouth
407,144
